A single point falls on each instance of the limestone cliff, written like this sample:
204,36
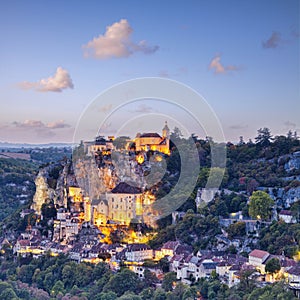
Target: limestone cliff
92,180
44,193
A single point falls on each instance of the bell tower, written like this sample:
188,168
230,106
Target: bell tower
166,131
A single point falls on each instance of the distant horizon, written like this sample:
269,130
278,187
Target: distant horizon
132,137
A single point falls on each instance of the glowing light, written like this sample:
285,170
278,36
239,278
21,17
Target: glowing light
140,158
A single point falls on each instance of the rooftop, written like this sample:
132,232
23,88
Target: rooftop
125,188
285,212
259,253
150,134
171,245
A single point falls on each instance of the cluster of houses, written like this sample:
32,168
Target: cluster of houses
188,266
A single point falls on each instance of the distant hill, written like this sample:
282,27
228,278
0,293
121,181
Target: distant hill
5,145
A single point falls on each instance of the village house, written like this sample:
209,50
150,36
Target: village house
293,276
286,216
138,252
99,145
234,275
168,249
140,270
257,258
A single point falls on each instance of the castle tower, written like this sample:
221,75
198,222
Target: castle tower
166,131
166,136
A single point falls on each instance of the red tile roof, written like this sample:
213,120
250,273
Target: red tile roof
259,253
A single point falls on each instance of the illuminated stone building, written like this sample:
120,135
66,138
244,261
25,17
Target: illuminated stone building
121,205
99,145
153,141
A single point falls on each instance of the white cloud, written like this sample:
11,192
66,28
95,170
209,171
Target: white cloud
57,125
36,124
105,108
144,108
38,128
238,126
57,83
273,41
116,42
164,73
219,68
290,125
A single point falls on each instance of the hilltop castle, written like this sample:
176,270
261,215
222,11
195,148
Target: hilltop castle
153,141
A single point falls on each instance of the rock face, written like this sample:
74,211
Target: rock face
92,180
284,197
61,196
44,193
293,163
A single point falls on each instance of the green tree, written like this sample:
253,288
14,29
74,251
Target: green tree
68,275
160,294
237,229
190,293
264,137
150,278
129,296
25,273
260,205
8,294
273,265
120,142
108,296
122,282
168,281
57,288
164,264
147,293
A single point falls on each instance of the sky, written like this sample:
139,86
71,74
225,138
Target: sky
57,58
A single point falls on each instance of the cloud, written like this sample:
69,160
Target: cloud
106,128
143,108
38,128
179,71
116,42
273,41
58,124
219,68
290,124
238,126
36,124
60,81
164,73
105,108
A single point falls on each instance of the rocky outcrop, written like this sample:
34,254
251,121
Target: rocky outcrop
43,193
92,180
293,162
284,197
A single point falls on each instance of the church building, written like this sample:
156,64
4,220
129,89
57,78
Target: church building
153,141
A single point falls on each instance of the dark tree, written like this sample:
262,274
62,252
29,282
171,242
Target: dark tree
264,137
